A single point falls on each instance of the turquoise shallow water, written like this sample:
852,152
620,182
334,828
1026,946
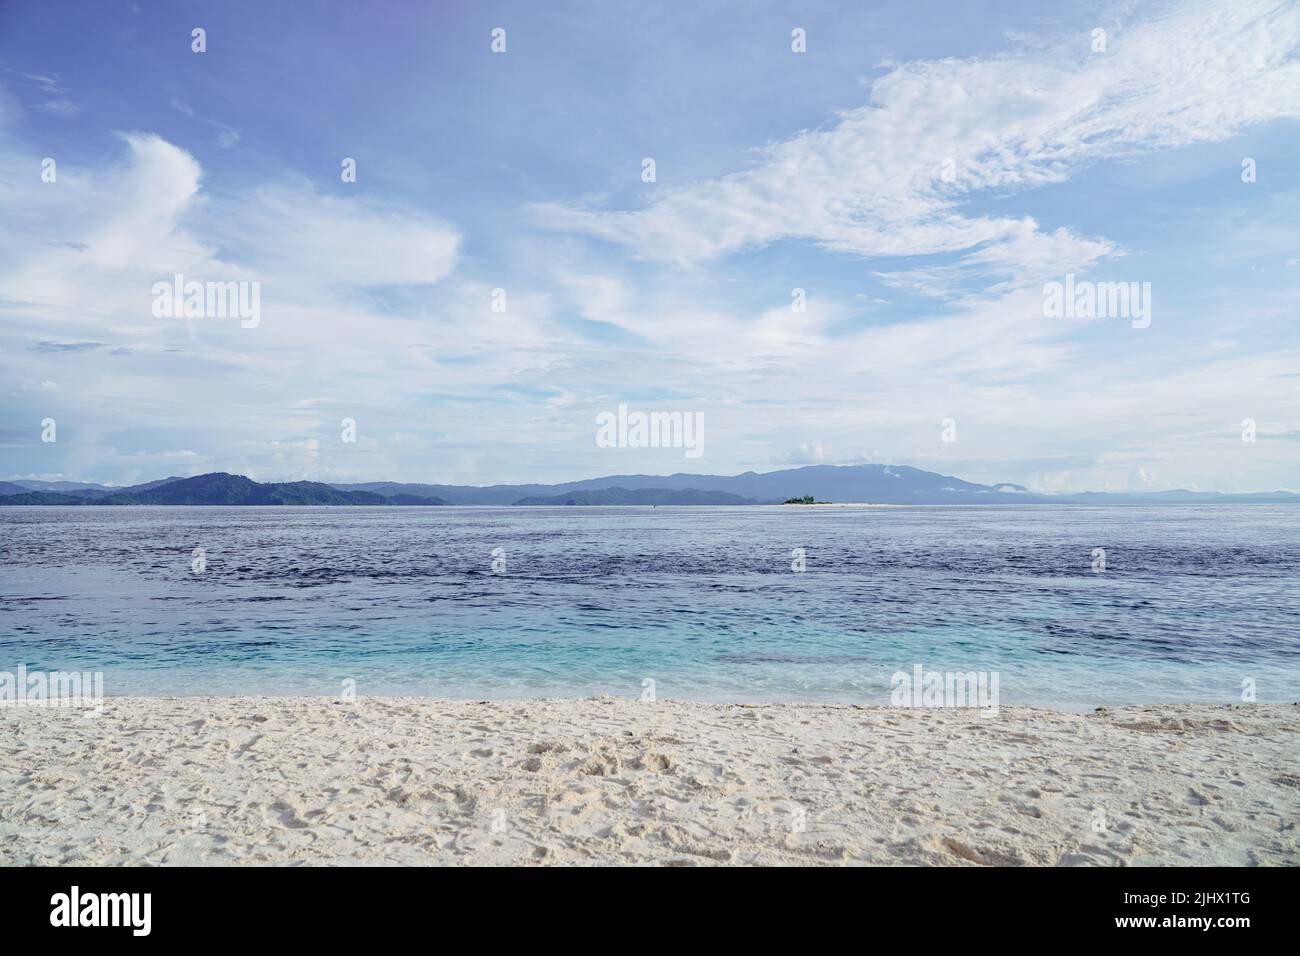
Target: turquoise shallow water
702,601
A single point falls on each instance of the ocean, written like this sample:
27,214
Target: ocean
1196,603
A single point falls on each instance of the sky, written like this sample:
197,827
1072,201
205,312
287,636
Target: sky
501,273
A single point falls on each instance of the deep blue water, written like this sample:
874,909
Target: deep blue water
701,600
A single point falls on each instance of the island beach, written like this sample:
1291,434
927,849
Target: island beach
285,780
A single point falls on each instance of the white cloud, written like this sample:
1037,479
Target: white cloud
97,239
808,453
56,101
227,136
296,231
874,183
370,312
78,260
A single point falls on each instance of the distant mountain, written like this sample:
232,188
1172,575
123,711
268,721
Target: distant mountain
457,494
876,484
218,488
638,496
883,484
223,489
42,498
76,489
828,482
408,500
148,485
62,487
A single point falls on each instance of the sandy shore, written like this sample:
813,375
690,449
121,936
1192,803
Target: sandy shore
418,781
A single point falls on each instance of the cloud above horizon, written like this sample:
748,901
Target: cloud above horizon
831,295
889,179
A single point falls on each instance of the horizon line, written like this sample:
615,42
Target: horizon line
1023,489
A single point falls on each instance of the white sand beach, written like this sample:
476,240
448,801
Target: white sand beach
613,781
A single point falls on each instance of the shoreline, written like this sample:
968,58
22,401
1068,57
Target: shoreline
282,780
558,697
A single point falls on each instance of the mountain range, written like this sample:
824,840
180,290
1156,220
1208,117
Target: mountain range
877,484
218,488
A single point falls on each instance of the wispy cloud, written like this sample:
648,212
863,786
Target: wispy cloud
65,346
890,179
227,136
830,297
55,99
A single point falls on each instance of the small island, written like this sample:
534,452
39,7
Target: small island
805,500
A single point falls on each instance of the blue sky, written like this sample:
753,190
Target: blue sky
826,171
